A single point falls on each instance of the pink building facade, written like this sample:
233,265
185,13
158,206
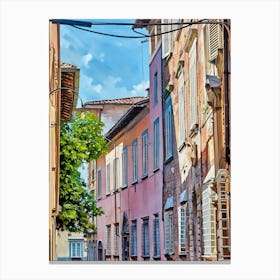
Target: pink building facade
129,181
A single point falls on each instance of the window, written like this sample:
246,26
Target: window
116,173
134,161
168,232
156,234
99,183
166,38
156,144
133,240
108,235
116,240
155,89
145,238
193,86
182,229
145,146
108,178
209,222
76,249
124,167
182,114
215,41
168,129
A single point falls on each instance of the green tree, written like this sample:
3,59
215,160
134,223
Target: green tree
80,141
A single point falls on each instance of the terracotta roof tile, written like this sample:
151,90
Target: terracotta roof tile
67,65
125,100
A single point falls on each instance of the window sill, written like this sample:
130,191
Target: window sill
182,146
134,183
124,187
146,257
156,257
170,158
155,170
144,177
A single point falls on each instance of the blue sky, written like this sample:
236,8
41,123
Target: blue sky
109,67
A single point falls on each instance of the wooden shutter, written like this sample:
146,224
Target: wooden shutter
166,38
108,247
175,26
99,183
182,115
156,144
215,40
156,234
108,178
193,85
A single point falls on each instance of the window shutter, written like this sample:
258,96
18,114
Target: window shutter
156,235
182,229
156,144
209,223
166,38
108,178
124,167
193,86
215,40
99,186
175,26
182,115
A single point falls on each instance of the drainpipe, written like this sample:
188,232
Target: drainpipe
227,71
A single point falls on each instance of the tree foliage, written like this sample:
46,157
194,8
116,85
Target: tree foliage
80,141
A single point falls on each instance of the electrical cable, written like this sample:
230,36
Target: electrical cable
186,24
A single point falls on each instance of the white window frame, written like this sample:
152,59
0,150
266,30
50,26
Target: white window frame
156,144
182,110
133,240
209,222
134,161
145,153
168,232
182,230
73,249
145,238
108,240
193,85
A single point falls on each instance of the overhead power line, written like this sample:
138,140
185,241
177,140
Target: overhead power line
81,24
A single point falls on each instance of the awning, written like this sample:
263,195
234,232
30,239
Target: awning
169,203
183,197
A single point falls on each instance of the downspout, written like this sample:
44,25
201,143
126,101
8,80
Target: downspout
227,72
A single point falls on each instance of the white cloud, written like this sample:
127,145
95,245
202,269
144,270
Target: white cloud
140,89
86,59
89,86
